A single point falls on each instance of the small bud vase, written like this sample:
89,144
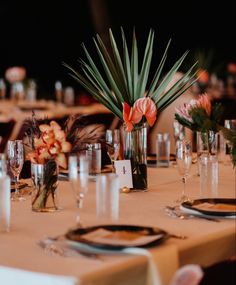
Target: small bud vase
45,181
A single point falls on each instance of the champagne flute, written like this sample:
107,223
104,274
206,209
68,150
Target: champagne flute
113,145
15,151
78,177
184,162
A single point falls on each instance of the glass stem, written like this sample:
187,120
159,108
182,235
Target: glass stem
184,186
17,192
113,166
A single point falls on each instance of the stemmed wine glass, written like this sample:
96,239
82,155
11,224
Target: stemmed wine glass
113,145
15,152
184,162
79,177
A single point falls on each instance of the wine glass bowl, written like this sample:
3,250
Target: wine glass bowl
184,162
179,131
15,152
113,145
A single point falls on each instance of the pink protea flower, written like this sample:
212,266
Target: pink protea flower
142,107
184,111
205,103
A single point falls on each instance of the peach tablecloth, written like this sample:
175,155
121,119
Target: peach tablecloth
208,242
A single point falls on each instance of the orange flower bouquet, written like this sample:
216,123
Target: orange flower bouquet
50,144
49,148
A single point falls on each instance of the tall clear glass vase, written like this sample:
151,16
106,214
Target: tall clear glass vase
135,149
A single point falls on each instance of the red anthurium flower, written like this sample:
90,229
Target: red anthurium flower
146,107
142,107
130,116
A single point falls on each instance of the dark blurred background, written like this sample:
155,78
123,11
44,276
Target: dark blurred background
40,35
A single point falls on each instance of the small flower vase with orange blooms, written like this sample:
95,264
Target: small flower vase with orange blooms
49,153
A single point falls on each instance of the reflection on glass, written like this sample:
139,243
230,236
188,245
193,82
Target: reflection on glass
184,162
113,145
15,152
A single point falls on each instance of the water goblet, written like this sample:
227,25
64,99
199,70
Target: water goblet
15,152
78,176
113,145
184,162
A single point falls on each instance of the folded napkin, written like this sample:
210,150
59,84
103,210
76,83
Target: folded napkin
13,276
153,277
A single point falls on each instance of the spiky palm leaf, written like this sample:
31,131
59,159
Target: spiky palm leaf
123,82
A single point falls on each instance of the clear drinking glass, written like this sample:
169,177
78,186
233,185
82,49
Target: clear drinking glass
78,176
184,162
107,198
113,145
231,124
15,152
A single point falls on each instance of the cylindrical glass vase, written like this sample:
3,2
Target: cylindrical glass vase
45,181
135,149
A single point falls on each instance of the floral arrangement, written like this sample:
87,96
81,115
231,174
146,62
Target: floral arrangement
200,115
47,140
48,145
123,85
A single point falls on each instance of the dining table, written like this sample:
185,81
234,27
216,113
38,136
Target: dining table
207,241
21,110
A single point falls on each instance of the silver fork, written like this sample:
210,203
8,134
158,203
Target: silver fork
57,245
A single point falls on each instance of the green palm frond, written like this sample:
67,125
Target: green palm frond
120,80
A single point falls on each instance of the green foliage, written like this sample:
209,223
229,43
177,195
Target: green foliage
122,78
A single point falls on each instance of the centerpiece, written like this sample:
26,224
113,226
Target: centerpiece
203,118
47,147
126,89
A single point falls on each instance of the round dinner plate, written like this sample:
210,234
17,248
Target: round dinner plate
222,207
123,236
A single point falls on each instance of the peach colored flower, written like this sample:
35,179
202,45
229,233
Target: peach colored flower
142,107
203,76
205,103
51,144
147,108
15,74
